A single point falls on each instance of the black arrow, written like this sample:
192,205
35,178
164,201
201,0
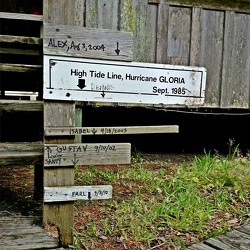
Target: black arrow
47,148
94,131
81,83
89,195
75,160
117,49
103,94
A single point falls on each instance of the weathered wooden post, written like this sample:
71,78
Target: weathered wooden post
58,114
61,213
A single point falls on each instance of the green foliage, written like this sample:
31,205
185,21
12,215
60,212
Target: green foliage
184,201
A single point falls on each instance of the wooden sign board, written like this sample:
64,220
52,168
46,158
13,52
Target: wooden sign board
86,154
60,131
74,79
56,194
75,41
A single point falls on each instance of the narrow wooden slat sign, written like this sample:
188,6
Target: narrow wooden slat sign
75,41
56,194
59,131
86,154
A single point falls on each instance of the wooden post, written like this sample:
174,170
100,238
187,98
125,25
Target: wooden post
60,213
78,123
57,114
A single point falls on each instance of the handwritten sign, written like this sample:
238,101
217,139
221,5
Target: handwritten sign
56,194
75,41
109,81
86,154
59,131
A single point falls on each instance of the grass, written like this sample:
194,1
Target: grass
166,205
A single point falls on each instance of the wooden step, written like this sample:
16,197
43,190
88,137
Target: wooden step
20,16
30,52
24,232
21,153
21,40
8,67
18,105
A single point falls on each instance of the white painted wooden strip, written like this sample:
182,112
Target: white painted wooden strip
75,41
59,131
21,16
55,194
86,154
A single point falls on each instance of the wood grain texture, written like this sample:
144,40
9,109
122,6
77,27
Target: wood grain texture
140,18
23,232
62,131
211,52
16,105
8,67
21,16
179,29
59,214
86,154
235,91
21,40
162,33
19,51
195,43
74,41
102,14
20,154
74,193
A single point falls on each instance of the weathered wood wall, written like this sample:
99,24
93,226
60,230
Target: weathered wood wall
182,32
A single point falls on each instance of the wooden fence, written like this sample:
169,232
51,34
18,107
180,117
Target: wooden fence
215,37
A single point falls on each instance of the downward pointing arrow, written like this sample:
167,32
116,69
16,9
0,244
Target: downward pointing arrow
117,49
89,195
75,160
81,83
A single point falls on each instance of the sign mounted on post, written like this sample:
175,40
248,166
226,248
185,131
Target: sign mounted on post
74,79
75,41
86,154
60,131
55,194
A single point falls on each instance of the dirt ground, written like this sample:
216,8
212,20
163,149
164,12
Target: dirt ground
17,186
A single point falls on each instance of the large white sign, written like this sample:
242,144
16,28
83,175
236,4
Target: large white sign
76,79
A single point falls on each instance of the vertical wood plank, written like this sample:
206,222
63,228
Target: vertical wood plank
141,18
79,13
79,21
102,14
211,53
195,43
78,123
58,114
179,34
236,61
162,33
59,12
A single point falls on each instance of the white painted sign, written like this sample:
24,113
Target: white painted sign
109,81
86,154
56,194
